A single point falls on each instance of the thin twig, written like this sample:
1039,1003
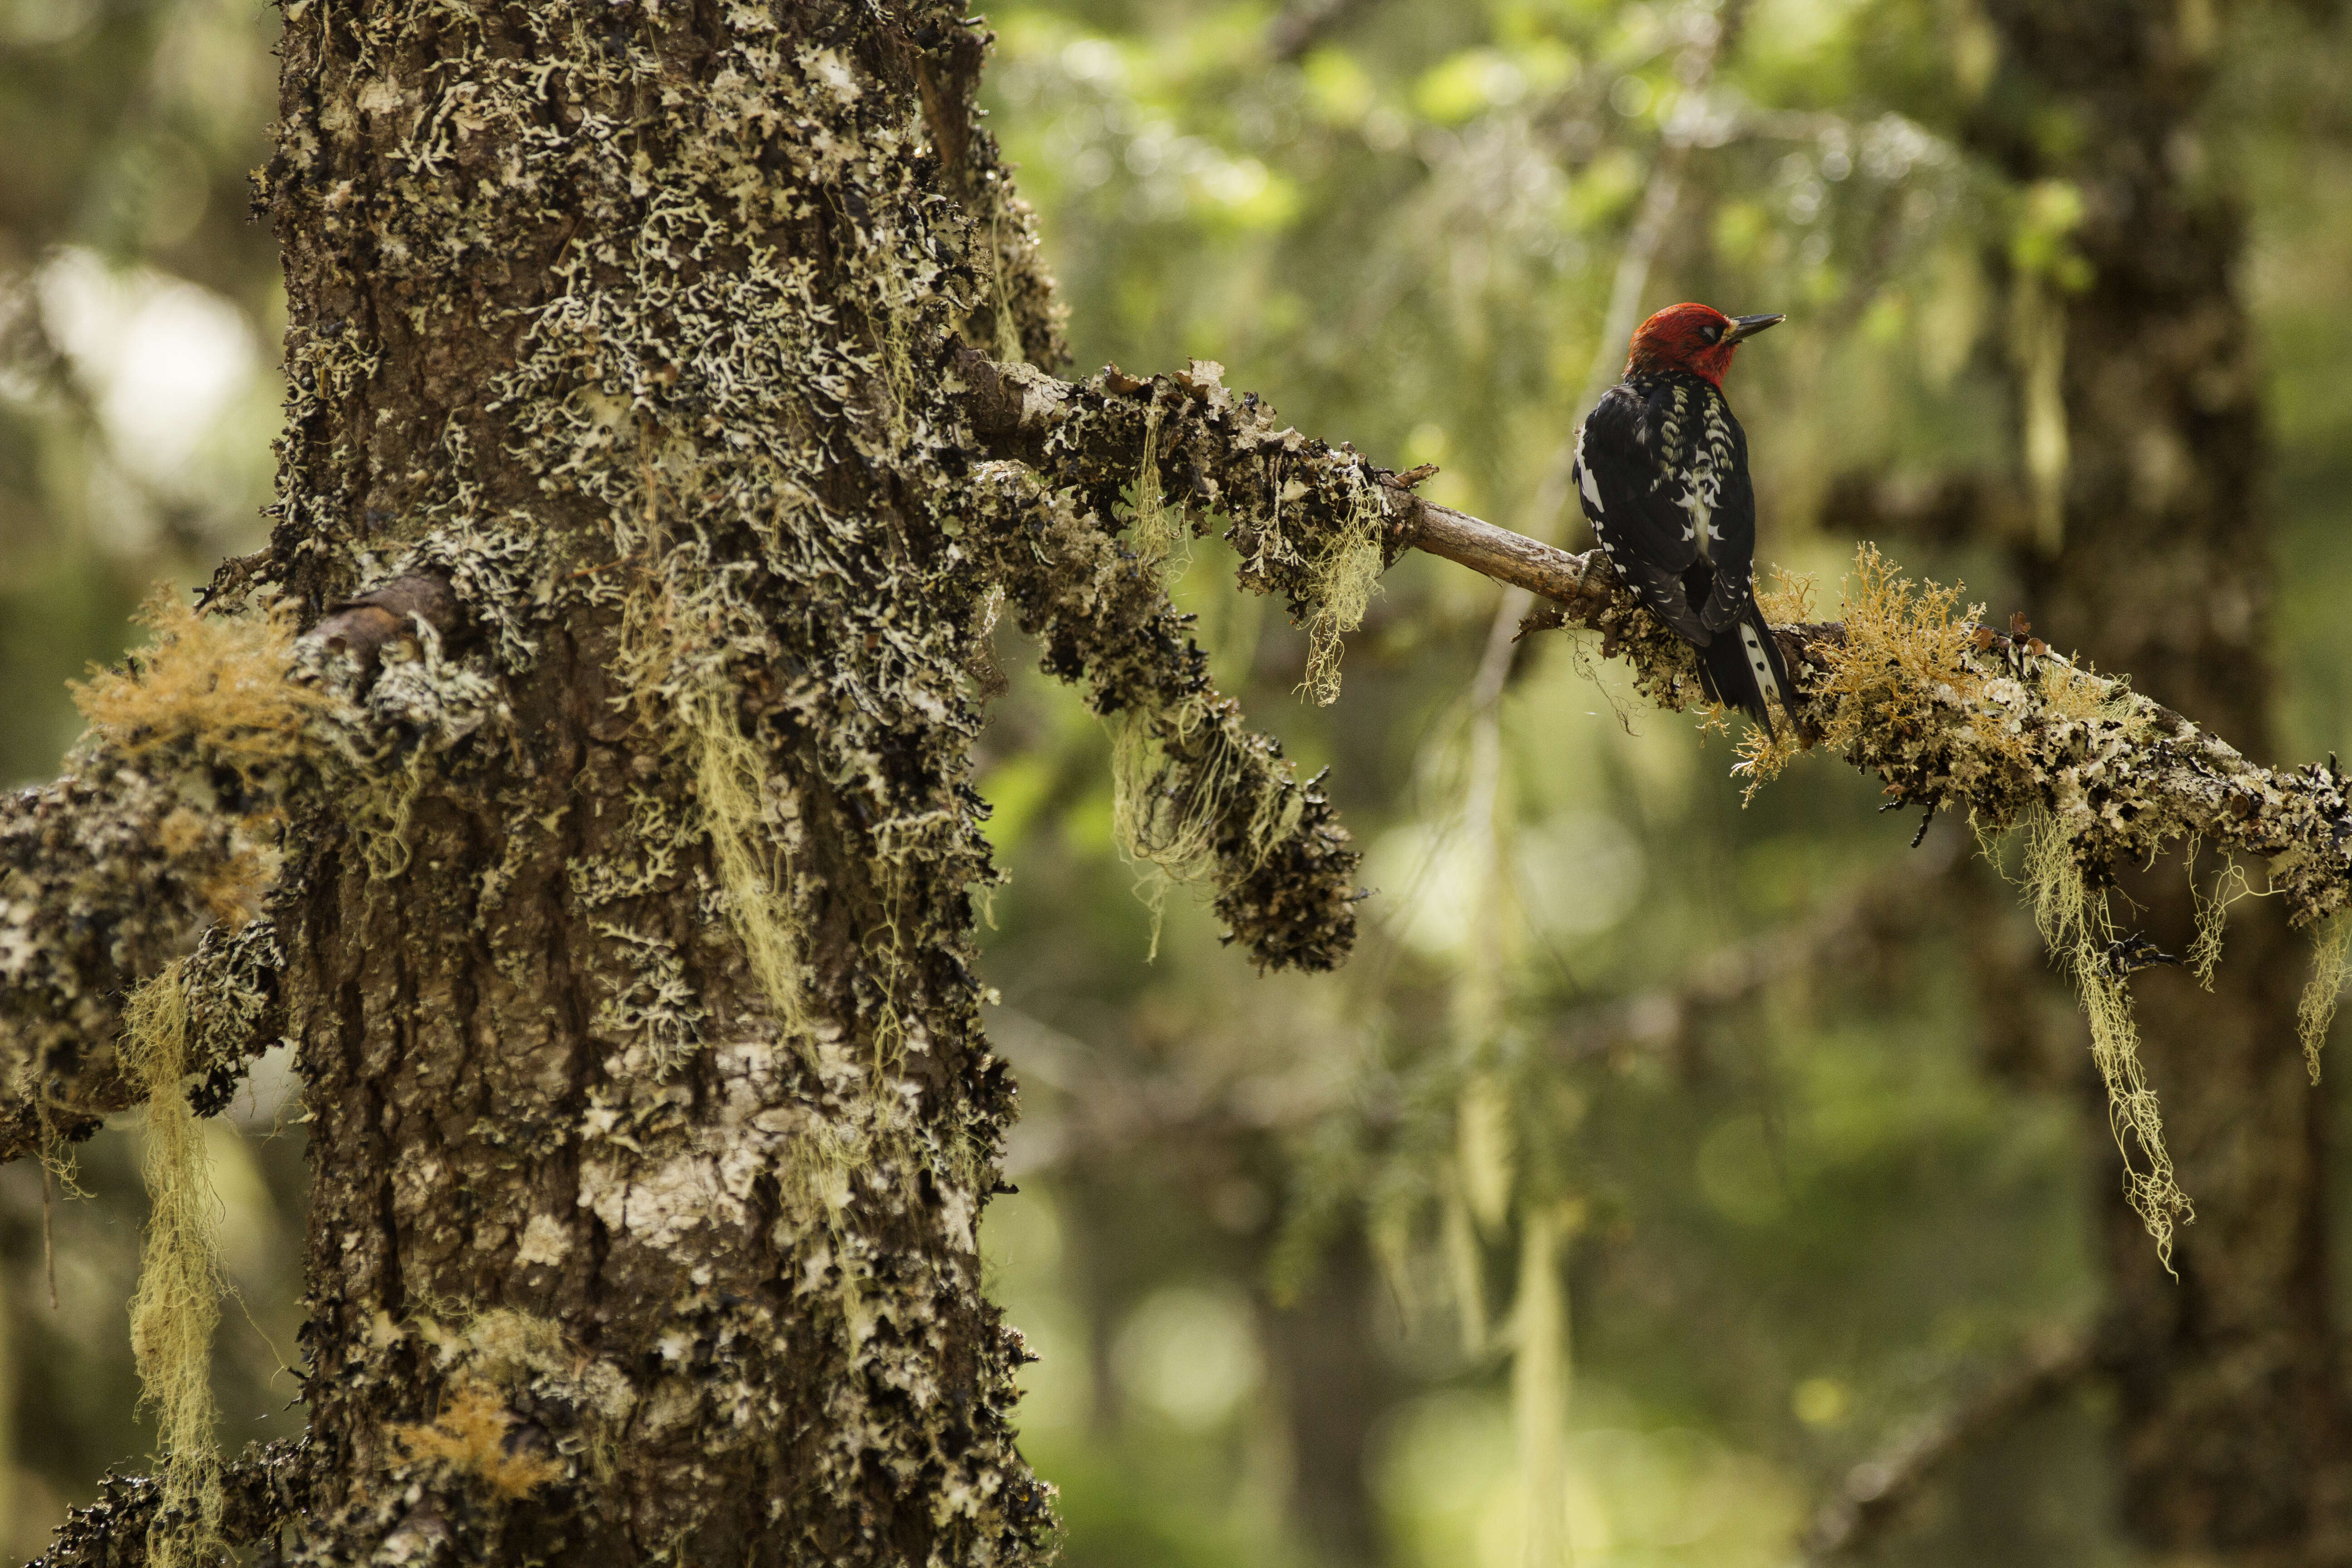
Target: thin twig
1306,23
1877,1491
48,1244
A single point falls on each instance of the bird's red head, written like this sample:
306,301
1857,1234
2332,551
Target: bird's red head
1699,339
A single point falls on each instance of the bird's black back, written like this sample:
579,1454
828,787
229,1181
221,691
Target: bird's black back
1660,459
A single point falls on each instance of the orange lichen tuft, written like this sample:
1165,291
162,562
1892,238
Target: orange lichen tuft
224,685
1901,640
1786,596
470,1437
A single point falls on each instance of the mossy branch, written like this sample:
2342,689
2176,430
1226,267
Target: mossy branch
1202,795
1951,714
162,842
1909,685
258,1491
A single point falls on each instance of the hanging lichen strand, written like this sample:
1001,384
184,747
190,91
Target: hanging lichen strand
2079,929
177,1304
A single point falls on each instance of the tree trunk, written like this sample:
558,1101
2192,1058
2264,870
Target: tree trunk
651,1118
2233,1444
1335,1384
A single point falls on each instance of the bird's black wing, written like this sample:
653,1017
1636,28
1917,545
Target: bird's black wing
1629,458
1726,500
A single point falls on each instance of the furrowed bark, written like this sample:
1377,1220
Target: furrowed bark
2001,727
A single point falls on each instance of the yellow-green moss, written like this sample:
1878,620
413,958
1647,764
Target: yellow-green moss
754,871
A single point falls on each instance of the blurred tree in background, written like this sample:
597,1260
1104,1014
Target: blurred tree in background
1658,1167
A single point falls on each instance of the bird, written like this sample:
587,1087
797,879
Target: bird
1662,470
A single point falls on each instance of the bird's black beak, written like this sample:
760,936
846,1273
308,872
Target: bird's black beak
1744,327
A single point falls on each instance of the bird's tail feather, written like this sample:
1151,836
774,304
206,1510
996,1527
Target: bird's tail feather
1744,669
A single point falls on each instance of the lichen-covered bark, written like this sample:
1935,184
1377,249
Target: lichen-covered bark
109,873
2233,1440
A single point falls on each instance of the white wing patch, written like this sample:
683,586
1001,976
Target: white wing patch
1702,475
1756,661
1584,471
1719,454
1698,500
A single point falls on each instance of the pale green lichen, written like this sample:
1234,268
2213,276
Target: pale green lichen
380,812
1160,531
498,568
1163,820
2213,915
660,1006
1341,578
2081,935
177,1304
755,873
2331,966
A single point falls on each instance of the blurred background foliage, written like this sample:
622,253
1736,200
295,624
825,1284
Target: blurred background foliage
1657,1160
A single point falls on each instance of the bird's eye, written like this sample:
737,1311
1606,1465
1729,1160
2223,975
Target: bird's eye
1710,331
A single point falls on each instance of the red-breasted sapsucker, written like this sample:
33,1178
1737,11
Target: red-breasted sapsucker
1662,469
